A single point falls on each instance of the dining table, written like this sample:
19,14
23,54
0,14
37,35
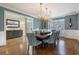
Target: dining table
43,36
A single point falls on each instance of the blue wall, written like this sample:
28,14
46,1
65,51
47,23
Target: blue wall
74,21
37,23
78,21
1,19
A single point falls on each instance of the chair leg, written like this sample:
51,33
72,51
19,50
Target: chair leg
30,50
55,43
34,50
57,40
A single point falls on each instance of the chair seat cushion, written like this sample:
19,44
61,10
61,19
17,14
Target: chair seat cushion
36,43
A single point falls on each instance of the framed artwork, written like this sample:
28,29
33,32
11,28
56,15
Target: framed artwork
12,23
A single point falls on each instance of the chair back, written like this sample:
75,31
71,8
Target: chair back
52,35
51,39
57,34
31,38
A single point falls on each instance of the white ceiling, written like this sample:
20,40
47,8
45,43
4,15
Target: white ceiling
55,9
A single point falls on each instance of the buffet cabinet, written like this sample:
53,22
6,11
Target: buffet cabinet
10,34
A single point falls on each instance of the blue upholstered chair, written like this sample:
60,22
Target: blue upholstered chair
32,42
57,35
53,38
50,40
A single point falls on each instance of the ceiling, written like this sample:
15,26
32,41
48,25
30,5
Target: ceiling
54,9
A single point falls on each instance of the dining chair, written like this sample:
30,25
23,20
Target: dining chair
57,36
32,42
53,38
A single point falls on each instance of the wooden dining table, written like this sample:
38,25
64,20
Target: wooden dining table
43,36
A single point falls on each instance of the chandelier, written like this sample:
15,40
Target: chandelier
43,14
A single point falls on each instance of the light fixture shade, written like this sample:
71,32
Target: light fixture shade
44,16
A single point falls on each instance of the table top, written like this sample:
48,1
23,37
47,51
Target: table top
43,35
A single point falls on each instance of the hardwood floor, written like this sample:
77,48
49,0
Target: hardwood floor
64,47
14,46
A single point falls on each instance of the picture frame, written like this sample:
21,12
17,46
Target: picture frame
12,23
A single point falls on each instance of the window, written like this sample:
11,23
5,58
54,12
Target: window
57,24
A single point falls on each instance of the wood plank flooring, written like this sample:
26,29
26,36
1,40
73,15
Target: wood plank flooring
14,46
64,47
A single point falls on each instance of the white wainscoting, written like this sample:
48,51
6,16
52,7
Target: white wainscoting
2,38
70,34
